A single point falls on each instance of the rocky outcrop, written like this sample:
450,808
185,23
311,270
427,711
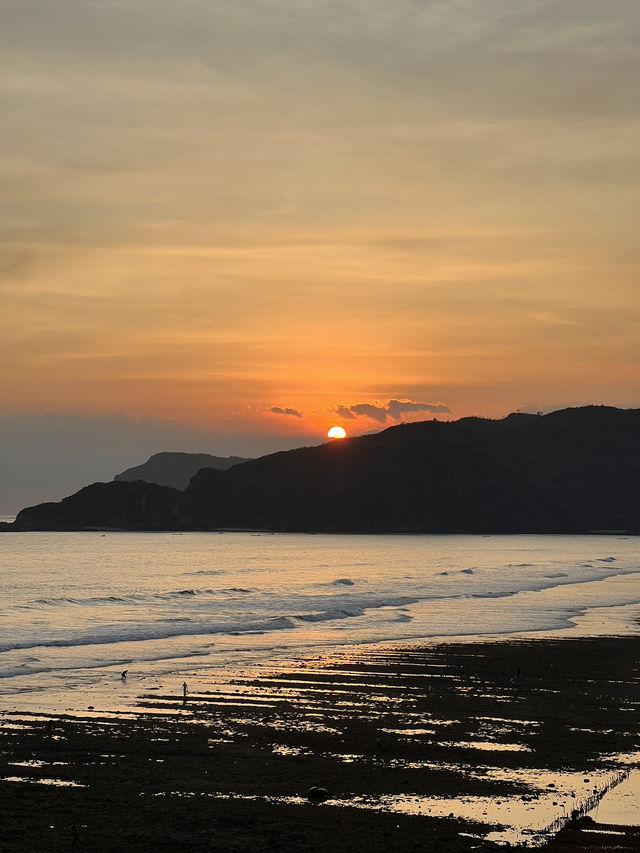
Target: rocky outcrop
109,506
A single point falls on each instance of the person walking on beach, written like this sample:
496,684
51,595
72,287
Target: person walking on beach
184,691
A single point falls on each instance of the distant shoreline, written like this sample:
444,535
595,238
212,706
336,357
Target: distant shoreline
8,527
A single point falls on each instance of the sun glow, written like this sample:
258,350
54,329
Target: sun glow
337,432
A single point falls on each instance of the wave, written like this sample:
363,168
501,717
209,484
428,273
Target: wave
457,572
208,572
131,598
328,615
506,593
340,606
170,628
136,598
55,602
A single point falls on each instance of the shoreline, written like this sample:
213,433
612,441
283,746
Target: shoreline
100,686
9,527
491,732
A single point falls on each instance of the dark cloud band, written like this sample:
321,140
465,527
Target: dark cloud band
394,410
278,410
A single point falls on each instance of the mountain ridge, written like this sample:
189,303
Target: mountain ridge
571,471
176,469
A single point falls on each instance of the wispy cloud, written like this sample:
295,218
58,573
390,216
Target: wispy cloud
394,410
461,190
553,319
278,410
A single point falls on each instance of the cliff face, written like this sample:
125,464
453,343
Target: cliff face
176,469
575,470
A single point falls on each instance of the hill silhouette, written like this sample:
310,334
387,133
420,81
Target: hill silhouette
571,471
176,469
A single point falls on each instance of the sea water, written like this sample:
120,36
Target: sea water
78,608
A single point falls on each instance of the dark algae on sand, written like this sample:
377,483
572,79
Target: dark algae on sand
389,733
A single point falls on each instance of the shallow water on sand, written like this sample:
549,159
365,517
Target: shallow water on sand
78,608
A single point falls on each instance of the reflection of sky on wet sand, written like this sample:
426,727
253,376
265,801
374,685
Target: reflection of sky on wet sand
59,783
415,724
609,796
521,819
541,802
489,746
621,805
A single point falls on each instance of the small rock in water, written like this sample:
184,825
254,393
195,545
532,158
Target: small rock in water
317,794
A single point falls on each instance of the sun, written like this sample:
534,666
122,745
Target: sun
337,432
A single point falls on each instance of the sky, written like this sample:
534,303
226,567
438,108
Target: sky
234,225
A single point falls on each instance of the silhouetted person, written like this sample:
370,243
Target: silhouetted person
184,691
123,676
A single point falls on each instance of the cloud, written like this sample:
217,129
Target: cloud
343,412
552,319
393,410
277,410
367,410
397,408
431,176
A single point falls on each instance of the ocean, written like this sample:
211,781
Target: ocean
76,609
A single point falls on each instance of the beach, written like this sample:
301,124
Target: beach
457,746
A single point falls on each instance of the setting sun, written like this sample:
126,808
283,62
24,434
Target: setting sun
337,432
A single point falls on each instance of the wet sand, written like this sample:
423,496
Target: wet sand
452,747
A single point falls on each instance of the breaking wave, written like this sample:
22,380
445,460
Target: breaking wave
133,598
161,630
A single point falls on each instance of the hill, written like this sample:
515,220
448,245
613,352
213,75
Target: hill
176,469
571,471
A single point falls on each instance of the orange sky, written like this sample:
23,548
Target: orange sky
213,210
